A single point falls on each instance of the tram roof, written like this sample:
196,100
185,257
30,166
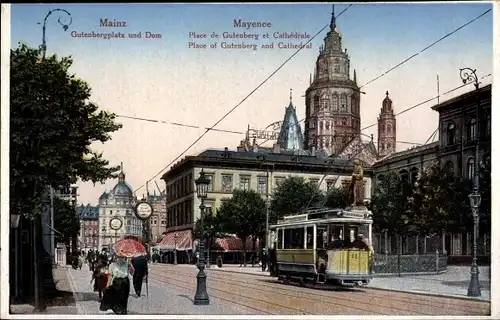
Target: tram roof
325,215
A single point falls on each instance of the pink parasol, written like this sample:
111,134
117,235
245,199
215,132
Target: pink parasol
129,248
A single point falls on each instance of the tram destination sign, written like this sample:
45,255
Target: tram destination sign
352,214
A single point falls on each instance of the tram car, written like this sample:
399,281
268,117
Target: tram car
324,246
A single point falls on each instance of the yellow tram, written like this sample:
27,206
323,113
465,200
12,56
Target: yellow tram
325,246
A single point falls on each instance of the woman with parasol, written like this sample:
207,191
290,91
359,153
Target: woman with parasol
117,292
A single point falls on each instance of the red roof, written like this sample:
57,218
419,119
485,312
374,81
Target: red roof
233,243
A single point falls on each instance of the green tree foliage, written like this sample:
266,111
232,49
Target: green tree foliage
440,201
485,190
244,215
338,197
389,204
292,195
66,221
52,125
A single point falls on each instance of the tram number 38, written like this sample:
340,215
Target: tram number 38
353,256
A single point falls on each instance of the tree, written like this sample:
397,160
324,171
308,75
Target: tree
212,228
292,195
66,221
338,197
440,201
389,204
52,126
243,215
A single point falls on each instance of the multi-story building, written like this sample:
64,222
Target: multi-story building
89,226
158,221
461,120
118,203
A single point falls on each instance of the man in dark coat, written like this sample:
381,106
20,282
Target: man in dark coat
140,264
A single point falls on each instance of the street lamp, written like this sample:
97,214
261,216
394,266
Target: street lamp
468,75
64,25
175,248
201,296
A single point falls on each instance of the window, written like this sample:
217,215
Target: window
343,103
344,121
154,221
470,168
330,184
472,129
337,68
382,128
309,238
227,182
449,166
280,239
277,181
325,105
327,125
316,104
262,185
450,134
110,212
314,182
321,126
294,238
211,185
335,103
389,128
244,182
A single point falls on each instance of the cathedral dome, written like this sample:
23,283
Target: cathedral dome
122,189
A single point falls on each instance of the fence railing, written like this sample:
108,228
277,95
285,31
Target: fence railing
399,264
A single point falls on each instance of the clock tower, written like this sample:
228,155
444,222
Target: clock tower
332,99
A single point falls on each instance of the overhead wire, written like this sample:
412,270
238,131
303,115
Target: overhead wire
243,100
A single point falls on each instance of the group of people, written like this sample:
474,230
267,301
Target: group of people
110,276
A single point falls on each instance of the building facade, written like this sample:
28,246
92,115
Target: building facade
332,99
118,203
461,120
158,221
89,227
228,170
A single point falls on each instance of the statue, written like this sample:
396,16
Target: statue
357,186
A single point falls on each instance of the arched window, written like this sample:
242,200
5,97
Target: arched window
335,103
343,103
382,128
327,125
389,128
315,104
321,126
325,104
450,133
470,168
472,129
413,175
404,176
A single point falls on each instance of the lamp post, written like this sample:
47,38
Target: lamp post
175,248
103,229
44,27
468,75
201,296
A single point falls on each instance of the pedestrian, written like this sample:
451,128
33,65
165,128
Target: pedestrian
118,289
140,266
100,277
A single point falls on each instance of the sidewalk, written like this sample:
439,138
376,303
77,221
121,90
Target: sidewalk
163,298
63,303
453,283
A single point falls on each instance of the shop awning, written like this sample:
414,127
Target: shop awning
180,240
233,243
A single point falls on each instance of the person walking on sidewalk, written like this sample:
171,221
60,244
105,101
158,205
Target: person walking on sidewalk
140,266
100,278
118,289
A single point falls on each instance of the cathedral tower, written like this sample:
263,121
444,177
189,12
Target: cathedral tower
386,128
332,99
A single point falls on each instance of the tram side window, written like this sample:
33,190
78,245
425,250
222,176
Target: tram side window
280,239
294,238
310,234
320,238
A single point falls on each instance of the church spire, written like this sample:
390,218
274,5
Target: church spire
333,23
121,175
290,96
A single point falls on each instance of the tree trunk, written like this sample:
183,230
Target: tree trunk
254,240
244,242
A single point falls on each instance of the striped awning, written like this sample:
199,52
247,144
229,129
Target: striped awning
180,240
233,243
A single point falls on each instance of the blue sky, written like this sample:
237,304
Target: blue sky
163,79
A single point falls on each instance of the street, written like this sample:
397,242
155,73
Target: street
163,299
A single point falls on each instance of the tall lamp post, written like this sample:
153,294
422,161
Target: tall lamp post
201,296
175,248
468,75
44,27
